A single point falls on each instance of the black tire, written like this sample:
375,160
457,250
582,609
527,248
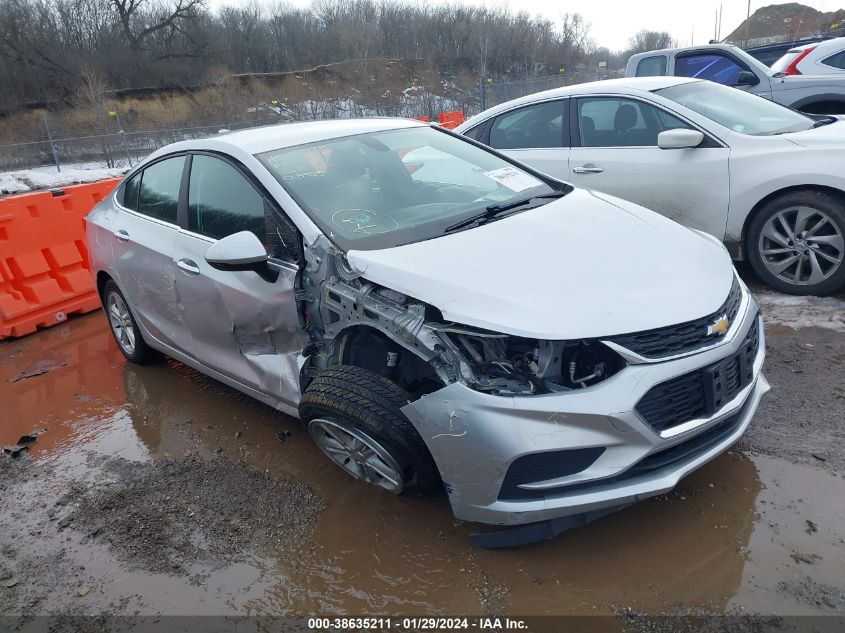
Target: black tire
140,353
830,205
358,399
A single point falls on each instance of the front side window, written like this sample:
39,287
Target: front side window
383,189
836,61
737,110
534,126
654,66
713,67
221,201
158,195
620,122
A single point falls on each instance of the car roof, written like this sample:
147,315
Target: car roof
832,43
684,49
625,85
269,137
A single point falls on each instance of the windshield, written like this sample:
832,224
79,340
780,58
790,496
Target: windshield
738,110
384,189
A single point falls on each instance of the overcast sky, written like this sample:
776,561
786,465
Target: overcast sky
614,21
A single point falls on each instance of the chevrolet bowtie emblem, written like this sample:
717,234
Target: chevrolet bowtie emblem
719,327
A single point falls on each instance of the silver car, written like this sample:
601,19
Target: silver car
545,353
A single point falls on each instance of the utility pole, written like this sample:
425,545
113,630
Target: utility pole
719,34
52,144
748,25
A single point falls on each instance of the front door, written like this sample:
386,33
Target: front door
242,325
618,154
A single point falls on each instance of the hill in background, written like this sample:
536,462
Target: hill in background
786,23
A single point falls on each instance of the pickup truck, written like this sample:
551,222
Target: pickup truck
732,66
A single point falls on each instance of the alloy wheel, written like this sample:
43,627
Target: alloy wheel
801,245
121,322
358,454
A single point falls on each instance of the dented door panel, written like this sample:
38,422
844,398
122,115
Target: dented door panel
241,325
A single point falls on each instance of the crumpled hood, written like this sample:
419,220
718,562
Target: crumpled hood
587,265
832,136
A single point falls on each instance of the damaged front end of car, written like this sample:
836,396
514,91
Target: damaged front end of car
351,320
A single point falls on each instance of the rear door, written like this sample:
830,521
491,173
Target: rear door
615,151
536,134
145,231
242,325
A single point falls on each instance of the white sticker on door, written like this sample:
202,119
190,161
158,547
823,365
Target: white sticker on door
513,178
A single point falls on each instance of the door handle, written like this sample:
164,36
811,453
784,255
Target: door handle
121,235
589,168
189,266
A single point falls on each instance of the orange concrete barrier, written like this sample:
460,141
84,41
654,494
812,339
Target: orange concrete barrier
44,272
423,118
450,120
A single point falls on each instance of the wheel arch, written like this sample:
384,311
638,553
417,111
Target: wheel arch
366,346
826,101
101,280
772,196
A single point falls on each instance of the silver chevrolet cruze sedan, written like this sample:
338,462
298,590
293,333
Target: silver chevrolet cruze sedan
437,314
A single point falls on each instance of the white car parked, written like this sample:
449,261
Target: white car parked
820,58
766,180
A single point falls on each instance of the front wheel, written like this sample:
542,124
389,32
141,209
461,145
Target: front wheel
354,417
795,243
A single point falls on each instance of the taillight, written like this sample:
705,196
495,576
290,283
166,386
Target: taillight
792,69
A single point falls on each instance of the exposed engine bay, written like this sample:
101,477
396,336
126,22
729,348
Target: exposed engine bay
352,321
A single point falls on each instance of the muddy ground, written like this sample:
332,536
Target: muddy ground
155,490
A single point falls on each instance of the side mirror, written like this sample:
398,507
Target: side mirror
679,139
746,78
240,251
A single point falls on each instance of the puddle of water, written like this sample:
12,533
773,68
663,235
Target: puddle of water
725,539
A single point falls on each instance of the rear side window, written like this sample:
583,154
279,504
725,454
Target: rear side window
130,192
534,126
221,201
783,63
654,66
718,68
475,133
158,196
837,60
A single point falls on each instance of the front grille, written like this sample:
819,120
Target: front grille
685,337
702,392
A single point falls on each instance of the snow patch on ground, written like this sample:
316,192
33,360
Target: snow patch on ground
802,312
48,178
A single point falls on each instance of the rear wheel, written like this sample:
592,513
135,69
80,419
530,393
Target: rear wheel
796,245
123,326
354,417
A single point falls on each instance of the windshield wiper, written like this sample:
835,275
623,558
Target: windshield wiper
492,210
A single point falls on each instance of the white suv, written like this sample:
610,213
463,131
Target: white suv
820,58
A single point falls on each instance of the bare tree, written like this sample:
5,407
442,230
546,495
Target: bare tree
645,40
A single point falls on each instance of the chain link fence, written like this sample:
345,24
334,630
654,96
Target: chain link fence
56,139
491,94
120,135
